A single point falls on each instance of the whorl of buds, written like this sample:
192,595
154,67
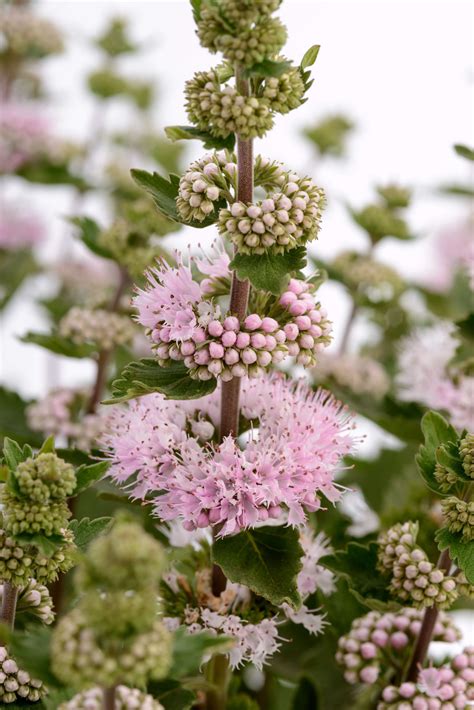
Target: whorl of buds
285,219
459,516
35,601
125,699
45,478
16,684
445,478
99,327
449,687
414,577
395,196
367,651
204,185
285,92
26,35
126,558
371,279
133,611
380,221
19,563
81,659
465,588
359,373
22,516
466,449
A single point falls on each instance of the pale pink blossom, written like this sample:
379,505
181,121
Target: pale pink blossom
454,251
19,229
24,136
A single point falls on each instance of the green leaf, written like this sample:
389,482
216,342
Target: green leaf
172,694
86,475
47,544
464,151
269,272
267,560
147,376
189,649
306,696
48,446
437,432
358,565
59,345
462,553
268,67
31,649
15,267
13,422
55,698
457,190
13,454
186,133
89,232
310,56
164,193
85,530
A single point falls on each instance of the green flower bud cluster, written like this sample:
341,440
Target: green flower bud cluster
445,478
414,577
284,93
465,588
81,658
16,684
102,328
459,516
113,634
282,221
395,196
34,601
107,84
20,562
115,41
329,134
223,111
371,279
243,32
204,185
23,516
132,245
45,478
380,221
25,35
466,449
125,699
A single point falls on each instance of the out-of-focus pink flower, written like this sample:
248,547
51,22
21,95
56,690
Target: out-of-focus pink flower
424,375
17,229
454,250
24,135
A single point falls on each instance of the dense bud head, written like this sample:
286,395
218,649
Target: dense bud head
459,517
395,196
45,478
17,684
125,699
23,516
126,558
466,449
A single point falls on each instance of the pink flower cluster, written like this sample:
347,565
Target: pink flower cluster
302,435
18,230
425,375
185,325
23,136
454,251
450,687
375,639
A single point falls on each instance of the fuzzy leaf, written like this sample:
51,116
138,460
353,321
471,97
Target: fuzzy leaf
59,345
437,432
189,649
13,423
358,565
14,454
47,544
15,266
310,56
146,376
464,151
87,475
186,133
47,446
85,530
268,68
269,272
267,560
89,232
462,553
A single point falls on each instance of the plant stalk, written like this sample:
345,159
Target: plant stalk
427,627
109,698
10,598
217,675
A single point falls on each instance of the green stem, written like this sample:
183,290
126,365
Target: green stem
218,676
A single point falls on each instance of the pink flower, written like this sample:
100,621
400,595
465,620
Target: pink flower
18,230
24,136
429,681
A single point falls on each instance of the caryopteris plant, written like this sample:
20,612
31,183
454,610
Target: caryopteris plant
256,562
